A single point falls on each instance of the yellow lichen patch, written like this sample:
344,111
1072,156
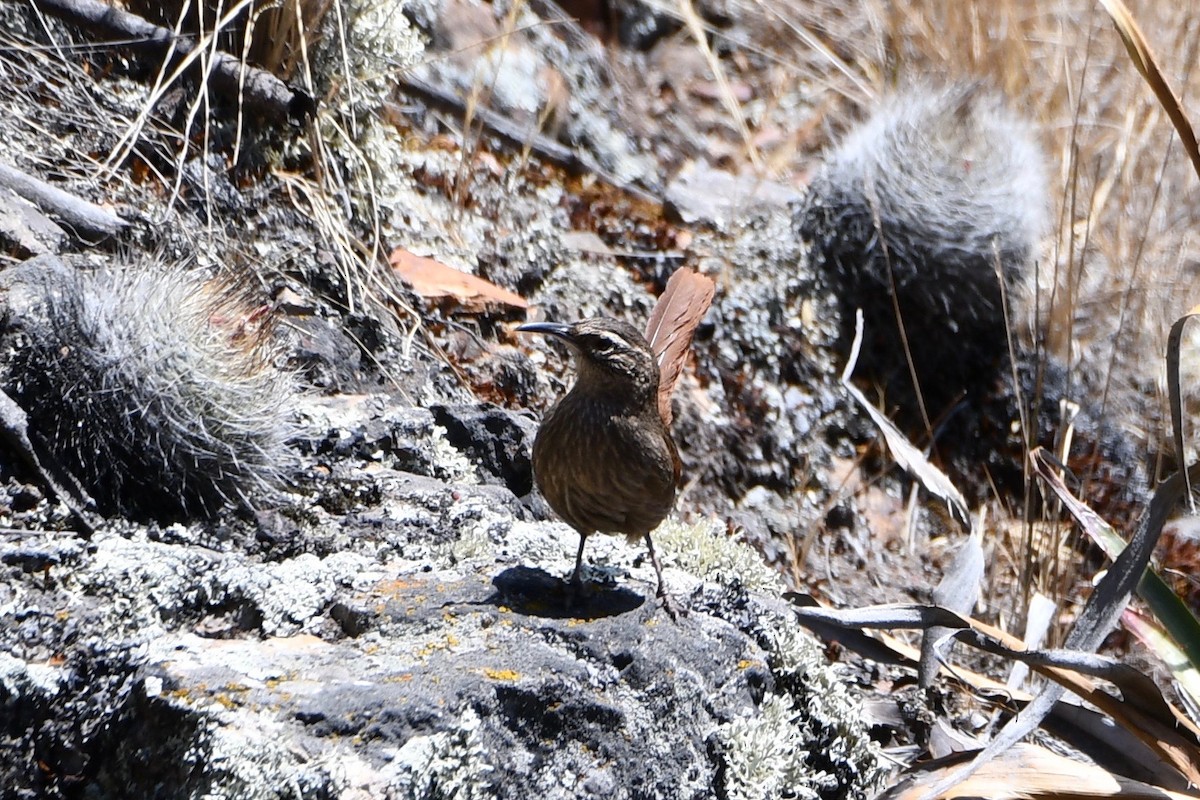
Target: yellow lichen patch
273,683
403,677
395,587
432,647
509,675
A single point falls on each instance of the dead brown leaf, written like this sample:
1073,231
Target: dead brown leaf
443,284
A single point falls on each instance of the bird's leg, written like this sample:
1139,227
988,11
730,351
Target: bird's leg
577,575
674,610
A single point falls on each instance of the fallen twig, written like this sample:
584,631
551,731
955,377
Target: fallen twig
259,91
85,219
14,434
510,133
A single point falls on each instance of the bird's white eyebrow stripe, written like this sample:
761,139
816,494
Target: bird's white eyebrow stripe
616,340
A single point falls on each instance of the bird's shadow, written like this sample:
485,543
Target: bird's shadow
536,593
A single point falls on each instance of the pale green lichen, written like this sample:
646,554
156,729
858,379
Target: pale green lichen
449,764
363,46
796,657
706,551
809,740
472,544
835,713
765,755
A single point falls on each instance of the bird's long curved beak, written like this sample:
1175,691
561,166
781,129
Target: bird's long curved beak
557,329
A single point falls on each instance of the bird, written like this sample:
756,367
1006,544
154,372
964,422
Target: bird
603,456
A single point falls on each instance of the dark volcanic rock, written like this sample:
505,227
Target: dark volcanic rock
410,665
497,440
393,634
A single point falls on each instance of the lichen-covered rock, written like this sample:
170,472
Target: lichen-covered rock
374,656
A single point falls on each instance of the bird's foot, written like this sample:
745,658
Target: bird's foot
673,607
577,589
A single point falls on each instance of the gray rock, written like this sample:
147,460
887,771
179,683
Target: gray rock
26,229
701,194
498,440
408,662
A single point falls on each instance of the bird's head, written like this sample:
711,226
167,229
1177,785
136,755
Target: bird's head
609,355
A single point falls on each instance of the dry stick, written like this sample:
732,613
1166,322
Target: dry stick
261,91
508,132
84,218
14,435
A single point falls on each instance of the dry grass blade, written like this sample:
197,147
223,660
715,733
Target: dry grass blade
1156,638
1091,522
1030,772
1038,618
958,591
696,28
1143,58
1098,617
1167,607
1175,396
169,74
1091,724
905,453
1072,669
1142,712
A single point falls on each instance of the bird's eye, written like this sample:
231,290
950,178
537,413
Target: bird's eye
609,343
